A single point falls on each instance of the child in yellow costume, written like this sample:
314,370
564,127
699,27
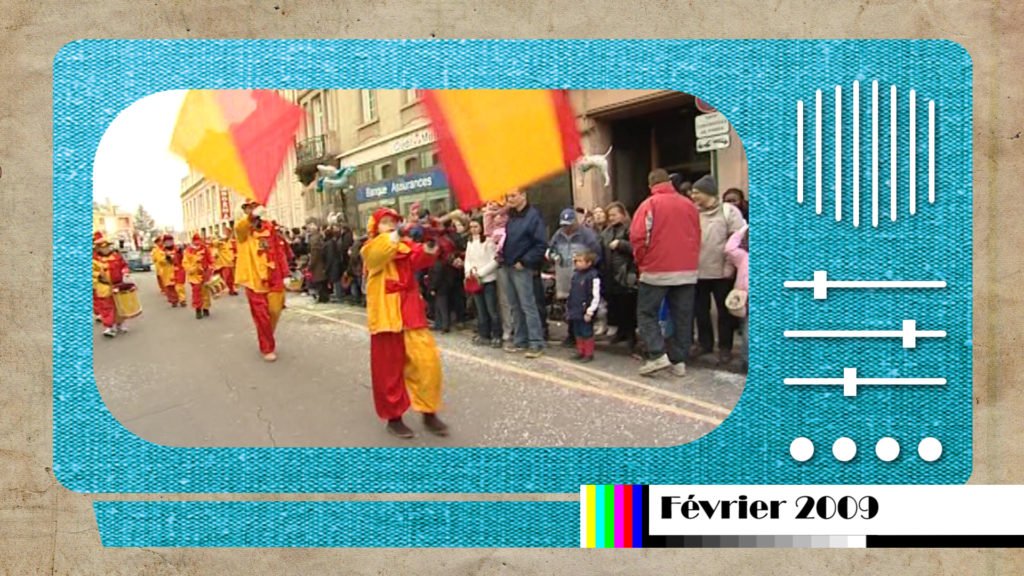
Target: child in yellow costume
225,262
164,256
405,364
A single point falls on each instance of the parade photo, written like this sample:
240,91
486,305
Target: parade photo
422,268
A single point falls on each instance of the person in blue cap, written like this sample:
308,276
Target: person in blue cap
570,239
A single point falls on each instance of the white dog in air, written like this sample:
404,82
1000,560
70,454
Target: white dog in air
599,161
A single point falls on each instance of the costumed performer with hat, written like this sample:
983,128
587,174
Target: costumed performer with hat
108,271
261,268
405,363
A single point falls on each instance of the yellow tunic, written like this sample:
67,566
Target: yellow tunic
192,262
225,256
164,268
384,310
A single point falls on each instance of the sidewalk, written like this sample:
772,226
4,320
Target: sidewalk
558,332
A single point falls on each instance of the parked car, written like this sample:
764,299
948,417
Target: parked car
138,261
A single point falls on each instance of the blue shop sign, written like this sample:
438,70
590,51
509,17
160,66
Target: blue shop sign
410,183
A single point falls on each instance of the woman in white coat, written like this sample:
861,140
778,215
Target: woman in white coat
481,268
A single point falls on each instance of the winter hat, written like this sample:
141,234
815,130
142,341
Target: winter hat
657,177
736,303
98,239
196,239
707,185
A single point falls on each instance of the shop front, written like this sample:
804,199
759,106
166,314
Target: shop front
428,188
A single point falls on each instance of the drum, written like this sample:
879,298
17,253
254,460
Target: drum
216,286
293,284
126,301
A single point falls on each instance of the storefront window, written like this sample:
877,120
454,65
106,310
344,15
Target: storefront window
386,171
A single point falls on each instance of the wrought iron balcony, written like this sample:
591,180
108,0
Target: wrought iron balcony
310,150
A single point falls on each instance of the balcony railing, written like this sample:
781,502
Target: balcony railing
310,150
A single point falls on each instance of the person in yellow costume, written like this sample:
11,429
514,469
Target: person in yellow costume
163,261
261,267
225,262
198,264
157,256
405,363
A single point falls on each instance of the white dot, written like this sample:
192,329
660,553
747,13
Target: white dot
801,449
930,449
887,449
844,449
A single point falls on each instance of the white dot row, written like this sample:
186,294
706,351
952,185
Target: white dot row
844,449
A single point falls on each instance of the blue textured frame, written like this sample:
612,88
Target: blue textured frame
755,83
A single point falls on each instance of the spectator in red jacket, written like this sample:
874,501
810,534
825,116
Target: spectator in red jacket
665,235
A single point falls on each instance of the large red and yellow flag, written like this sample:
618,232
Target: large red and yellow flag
237,138
491,142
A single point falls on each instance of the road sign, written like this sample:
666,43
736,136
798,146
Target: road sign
711,125
710,143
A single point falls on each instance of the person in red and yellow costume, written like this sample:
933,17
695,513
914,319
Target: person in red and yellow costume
198,264
261,267
156,255
180,277
108,272
405,364
163,261
225,262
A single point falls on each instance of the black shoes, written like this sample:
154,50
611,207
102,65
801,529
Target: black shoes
199,314
398,428
206,312
435,425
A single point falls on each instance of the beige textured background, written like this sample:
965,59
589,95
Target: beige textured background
45,529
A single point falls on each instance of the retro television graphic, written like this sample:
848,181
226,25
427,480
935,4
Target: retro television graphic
860,325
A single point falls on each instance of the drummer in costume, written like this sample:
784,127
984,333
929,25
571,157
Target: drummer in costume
405,364
180,277
163,260
198,263
156,255
225,262
261,267
108,272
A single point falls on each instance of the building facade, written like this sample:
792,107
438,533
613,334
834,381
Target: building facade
386,137
647,129
116,224
208,209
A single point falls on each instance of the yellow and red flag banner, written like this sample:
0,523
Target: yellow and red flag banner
237,138
491,142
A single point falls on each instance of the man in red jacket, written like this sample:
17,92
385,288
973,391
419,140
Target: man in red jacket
665,235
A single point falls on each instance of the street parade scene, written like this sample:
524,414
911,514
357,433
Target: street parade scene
420,268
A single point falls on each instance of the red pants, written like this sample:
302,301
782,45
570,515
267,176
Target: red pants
172,294
265,309
228,274
107,311
200,297
405,368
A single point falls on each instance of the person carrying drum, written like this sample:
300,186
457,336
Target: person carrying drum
261,267
108,272
163,260
198,264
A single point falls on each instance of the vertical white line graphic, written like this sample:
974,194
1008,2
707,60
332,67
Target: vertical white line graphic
856,153
817,152
800,151
913,153
874,153
839,153
892,152
931,152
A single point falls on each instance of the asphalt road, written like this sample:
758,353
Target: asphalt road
179,381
